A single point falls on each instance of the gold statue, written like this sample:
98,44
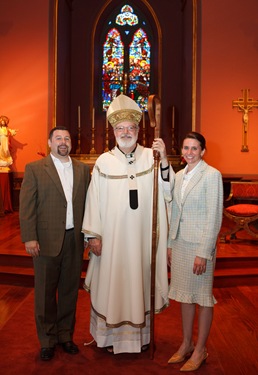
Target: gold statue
5,157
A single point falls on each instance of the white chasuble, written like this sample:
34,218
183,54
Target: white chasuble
119,279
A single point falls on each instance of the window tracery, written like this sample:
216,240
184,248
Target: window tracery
126,66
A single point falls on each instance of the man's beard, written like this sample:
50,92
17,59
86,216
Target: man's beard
126,141
62,151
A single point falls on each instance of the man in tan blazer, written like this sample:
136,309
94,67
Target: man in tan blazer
52,200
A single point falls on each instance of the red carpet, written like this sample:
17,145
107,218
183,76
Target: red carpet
19,347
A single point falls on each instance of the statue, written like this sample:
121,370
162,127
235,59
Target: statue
245,105
5,157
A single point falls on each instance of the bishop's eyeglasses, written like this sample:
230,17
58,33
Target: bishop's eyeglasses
130,128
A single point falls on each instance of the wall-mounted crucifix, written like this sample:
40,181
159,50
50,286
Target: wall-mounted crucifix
245,105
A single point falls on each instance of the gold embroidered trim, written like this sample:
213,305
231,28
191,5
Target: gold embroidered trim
120,324
86,288
125,322
124,115
112,177
92,234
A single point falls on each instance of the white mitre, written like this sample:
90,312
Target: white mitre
122,109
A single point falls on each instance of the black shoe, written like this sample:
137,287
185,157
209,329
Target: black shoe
47,353
145,347
70,347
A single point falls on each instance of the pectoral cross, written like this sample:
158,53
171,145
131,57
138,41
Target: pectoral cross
245,105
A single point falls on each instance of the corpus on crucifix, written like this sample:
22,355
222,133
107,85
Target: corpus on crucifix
245,105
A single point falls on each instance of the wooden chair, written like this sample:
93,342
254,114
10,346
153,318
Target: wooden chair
241,206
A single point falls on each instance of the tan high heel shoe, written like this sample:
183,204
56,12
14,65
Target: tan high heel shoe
192,366
177,358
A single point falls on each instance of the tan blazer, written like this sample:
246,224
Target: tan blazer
43,205
199,213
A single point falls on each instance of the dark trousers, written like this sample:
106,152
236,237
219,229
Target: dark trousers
57,281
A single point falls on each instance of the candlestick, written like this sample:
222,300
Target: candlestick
143,129
79,117
93,151
173,117
173,150
143,119
107,145
93,118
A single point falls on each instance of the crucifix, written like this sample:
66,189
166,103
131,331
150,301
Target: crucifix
245,105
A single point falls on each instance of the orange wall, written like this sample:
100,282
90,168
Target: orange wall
229,63
24,76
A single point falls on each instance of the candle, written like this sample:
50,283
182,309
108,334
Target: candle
106,122
79,117
143,119
173,117
93,117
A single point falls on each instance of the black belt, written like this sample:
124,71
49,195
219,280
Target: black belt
68,230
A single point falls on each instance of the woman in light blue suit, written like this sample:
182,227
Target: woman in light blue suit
196,218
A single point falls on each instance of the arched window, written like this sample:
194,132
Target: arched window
126,60
113,66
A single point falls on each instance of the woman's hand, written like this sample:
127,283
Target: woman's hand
199,266
169,256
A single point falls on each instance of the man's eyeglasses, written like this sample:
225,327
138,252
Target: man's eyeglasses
128,128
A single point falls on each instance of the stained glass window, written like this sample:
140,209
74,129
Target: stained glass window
126,59
113,67
139,77
126,17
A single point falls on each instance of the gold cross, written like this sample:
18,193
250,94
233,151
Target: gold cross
245,105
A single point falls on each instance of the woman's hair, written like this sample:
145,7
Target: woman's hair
198,137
